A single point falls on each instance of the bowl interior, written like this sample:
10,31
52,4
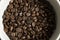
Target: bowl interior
56,6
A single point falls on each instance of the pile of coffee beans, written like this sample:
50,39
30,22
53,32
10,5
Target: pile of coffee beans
29,20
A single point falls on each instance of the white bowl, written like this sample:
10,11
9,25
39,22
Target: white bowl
54,3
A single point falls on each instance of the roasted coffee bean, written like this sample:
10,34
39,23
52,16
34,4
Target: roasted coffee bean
29,20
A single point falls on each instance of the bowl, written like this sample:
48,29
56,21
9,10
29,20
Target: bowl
54,3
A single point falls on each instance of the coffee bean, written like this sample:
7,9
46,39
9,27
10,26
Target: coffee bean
10,6
20,14
26,4
28,14
23,37
28,36
24,27
37,9
33,23
11,1
6,30
18,30
19,35
13,34
11,28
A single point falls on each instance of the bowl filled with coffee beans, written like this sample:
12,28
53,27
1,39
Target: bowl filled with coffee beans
30,20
